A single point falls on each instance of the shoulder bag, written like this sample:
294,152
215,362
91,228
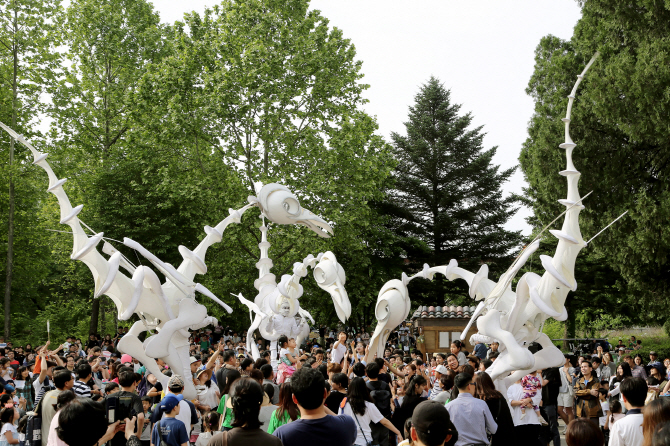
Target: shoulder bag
368,443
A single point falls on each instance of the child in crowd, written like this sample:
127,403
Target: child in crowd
210,423
9,434
615,413
288,358
531,384
145,438
604,420
170,430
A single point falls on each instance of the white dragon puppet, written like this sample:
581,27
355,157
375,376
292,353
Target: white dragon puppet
514,318
276,305
169,308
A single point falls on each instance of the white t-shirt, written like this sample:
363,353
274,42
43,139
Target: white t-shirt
207,396
605,407
515,393
627,431
372,414
337,355
8,427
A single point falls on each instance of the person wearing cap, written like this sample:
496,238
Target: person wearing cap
126,360
195,365
470,415
432,426
654,362
437,388
169,429
187,413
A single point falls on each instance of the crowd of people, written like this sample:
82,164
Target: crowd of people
325,393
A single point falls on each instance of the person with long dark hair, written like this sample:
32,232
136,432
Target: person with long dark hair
623,371
413,396
287,410
485,390
360,406
225,405
246,395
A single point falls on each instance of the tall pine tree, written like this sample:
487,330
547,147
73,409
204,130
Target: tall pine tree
448,194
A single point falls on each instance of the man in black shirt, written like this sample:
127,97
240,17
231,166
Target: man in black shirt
551,383
128,396
381,394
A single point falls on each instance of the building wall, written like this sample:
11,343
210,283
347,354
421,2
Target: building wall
445,330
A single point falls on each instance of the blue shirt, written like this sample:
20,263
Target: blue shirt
173,432
472,418
330,430
480,351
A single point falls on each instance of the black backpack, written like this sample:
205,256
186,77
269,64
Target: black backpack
381,394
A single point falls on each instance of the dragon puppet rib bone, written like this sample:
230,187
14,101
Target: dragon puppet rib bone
512,317
170,308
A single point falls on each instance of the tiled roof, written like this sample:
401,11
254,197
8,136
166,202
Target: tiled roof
445,312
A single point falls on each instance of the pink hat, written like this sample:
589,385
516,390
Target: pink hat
126,358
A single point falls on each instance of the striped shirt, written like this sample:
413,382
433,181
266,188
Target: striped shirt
41,388
81,389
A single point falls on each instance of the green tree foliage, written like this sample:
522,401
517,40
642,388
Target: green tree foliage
27,60
448,194
619,123
267,88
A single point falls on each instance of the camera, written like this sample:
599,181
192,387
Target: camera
119,408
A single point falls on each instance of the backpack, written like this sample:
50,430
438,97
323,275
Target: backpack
34,426
143,387
381,394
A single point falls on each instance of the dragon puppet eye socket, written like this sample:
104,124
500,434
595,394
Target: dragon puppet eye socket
291,206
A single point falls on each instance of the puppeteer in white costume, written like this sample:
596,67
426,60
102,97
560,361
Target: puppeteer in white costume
276,306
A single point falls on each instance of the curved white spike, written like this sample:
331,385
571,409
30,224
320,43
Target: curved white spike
187,254
39,157
567,173
551,269
57,184
138,282
570,203
90,244
72,214
564,236
483,273
214,233
113,268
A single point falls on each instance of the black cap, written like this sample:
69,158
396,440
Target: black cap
432,422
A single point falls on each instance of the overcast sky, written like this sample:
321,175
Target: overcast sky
483,51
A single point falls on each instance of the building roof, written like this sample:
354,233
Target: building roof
443,312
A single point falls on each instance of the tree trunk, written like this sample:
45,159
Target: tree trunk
95,311
103,315
10,220
569,329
